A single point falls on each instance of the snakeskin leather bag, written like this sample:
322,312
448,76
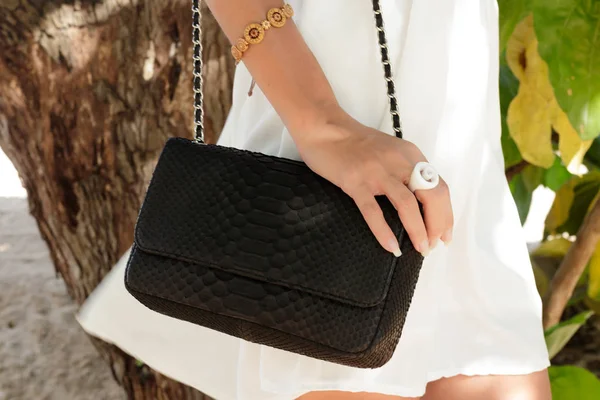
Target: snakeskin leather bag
264,249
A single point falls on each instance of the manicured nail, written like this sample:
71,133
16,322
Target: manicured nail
434,243
424,248
447,237
395,248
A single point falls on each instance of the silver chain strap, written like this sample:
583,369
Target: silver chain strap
197,72
198,82
387,69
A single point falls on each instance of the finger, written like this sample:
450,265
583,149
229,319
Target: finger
408,209
437,208
373,215
447,236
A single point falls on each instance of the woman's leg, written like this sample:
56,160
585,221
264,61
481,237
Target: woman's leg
535,386
351,396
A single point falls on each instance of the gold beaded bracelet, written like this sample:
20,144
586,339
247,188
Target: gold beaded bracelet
255,32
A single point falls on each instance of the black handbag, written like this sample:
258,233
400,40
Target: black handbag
264,249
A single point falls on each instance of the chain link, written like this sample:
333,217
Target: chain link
198,82
387,69
197,72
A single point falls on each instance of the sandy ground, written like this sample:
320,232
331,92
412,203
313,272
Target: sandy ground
44,354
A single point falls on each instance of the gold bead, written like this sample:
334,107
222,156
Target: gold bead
236,53
242,45
288,11
254,33
276,17
266,25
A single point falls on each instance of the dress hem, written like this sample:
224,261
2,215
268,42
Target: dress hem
403,391
344,386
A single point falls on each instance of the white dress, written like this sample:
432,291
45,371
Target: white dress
476,310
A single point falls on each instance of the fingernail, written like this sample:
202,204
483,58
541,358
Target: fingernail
447,237
434,243
424,248
395,248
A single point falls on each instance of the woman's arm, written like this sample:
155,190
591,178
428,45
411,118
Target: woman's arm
362,161
282,64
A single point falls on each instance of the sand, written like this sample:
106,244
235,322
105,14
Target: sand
44,353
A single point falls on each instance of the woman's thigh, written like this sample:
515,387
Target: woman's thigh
535,386
350,396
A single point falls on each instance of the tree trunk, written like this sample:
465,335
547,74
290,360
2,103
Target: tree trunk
89,92
572,267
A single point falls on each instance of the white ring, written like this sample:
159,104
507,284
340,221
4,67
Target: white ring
423,177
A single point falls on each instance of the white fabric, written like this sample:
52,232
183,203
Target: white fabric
476,309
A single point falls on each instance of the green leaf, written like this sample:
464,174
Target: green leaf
592,304
584,193
532,177
509,86
594,275
573,383
593,154
534,114
522,196
559,335
559,213
511,12
557,175
568,32
557,248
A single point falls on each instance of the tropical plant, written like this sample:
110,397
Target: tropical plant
550,102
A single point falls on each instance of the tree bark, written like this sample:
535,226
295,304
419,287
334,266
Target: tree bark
89,92
572,266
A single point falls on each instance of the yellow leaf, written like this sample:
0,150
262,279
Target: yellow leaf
572,148
594,275
535,111
559,213
528,121
529,116
553,248
541,279
523,35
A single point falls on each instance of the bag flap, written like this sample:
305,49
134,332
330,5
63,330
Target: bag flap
266,218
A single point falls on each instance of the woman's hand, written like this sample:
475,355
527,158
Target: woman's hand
364,163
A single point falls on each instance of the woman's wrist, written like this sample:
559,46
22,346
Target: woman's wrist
305,125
